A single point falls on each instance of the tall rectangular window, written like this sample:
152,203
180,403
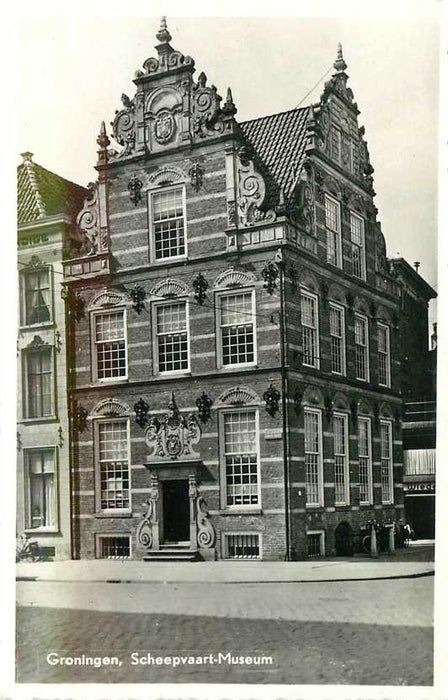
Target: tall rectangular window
172,337
241,457
310,329
168,223
313,457
110,344
333,226
41,501
365,460
237,328
37,296
358,246
40,386
341,468
113,457
337,338
386,462
383,355
336,143
362,347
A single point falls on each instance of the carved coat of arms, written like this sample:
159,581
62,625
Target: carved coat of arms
164,127
172,435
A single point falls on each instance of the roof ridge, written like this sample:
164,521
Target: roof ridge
28,166
275,114
50,172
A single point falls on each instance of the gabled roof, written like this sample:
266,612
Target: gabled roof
41,193
414,278
279,141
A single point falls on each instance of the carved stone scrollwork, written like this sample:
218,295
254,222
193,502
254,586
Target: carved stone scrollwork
205,530
272,398
141,409
251,190
37,343
135,190
138,296
123,126
172,435
200,286
204,404
80,418
206,113
87,222
144,533
269,274
196,174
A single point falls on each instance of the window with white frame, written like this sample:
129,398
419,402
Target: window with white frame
333,226
109,333
240,455
113,463
313,456
383,355
114,547
168,223
310,329
172,337
36,296
242,545
237,328
362,347
358,245
365,460
341,463
40,382
315,543
386,462
40,486
337,338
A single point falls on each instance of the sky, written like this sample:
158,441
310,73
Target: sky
74,67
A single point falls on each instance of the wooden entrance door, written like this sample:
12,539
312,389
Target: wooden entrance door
176,511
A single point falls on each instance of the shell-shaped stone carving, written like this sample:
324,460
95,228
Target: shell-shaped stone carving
107,297
234,278
170,288
111,407
166,176
238,395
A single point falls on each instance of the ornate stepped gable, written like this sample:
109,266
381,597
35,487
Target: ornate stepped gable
166,114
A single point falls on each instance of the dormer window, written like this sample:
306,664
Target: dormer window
167,224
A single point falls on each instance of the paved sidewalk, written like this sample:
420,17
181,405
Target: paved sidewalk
120,571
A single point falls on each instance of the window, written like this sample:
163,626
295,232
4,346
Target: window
237,328
335,143
242,545
168,224
241,458
358,246
110,345
114,547
172,337
365,460
333,226
341,468
39,386
37,296
310,329
337,337
313,457
40,496
315,543
383,355
386,462
362,347
113,457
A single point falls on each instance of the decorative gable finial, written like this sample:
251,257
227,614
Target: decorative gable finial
340,65
163,34
228,107
103,139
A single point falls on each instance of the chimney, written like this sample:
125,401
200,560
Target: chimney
434,336
416,265
27,157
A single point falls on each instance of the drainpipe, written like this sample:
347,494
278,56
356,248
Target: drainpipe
284,386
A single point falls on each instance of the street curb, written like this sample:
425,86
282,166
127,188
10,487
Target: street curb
324,580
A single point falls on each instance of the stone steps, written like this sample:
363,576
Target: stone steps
173,552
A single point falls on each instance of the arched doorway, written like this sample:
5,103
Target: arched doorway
343,539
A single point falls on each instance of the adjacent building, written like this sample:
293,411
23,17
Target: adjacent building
234,330
47,208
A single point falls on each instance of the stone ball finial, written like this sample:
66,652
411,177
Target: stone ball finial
163,34
340,64
27,156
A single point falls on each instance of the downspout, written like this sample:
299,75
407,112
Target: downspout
284,393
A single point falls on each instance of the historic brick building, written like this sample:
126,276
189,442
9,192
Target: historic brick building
47,205
234,325
419,372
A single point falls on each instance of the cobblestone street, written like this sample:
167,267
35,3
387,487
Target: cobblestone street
362,632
